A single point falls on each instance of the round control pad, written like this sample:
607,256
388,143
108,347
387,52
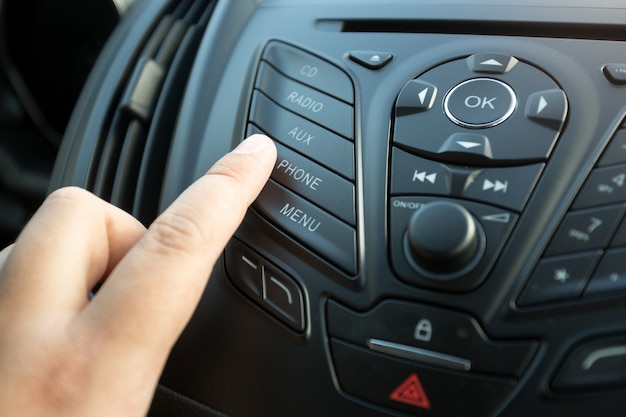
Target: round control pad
444,240
480,103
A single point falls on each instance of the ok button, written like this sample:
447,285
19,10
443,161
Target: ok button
480,103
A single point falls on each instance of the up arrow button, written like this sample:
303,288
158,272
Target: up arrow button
547,107
491,63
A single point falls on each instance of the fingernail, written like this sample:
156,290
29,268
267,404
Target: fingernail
252,145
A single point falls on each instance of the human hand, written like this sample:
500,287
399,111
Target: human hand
62,355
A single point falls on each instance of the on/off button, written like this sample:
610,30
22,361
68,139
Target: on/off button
480,103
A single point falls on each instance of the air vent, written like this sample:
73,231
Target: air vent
130,163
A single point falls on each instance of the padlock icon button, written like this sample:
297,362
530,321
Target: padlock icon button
423,330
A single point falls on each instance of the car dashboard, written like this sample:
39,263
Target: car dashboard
443,232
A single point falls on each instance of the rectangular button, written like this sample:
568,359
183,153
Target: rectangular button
315,183
610,276
413,175
586,229
283,296
328,236
505,187
244,269
310,70
266,285
310,139
603,186
559,278
307,102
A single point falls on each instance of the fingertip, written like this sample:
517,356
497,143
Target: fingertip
255,144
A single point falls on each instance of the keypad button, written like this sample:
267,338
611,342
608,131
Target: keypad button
586,229
610,276
559,278
615,152
605,185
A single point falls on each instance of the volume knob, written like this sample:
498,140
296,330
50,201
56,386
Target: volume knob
444,240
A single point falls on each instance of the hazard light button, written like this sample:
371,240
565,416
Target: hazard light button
419,390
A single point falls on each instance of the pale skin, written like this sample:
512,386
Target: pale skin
63,355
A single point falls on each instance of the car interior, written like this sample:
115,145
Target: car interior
443,233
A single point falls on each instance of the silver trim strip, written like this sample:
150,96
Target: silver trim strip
420,355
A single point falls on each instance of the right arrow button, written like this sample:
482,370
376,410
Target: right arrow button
547,107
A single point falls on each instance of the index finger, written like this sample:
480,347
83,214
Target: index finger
162,278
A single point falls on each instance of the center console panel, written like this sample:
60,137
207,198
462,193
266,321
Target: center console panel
443,232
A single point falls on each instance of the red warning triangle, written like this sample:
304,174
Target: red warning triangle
411,392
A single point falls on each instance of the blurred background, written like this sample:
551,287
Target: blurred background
47,48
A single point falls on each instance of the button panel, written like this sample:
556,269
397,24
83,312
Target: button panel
305,104
585,255
306,101
524,108
311,140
